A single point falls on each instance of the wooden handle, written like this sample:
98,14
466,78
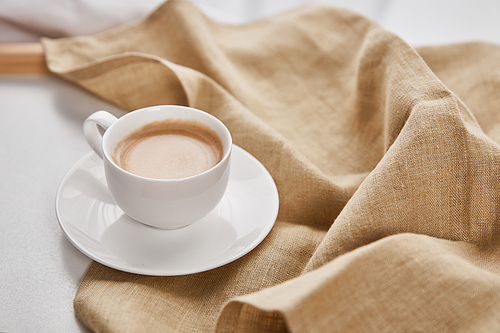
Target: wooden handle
22,58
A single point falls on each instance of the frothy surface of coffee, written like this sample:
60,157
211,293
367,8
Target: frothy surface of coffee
169,149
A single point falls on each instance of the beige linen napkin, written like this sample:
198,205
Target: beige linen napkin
386,160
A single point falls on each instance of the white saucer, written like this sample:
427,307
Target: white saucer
98,227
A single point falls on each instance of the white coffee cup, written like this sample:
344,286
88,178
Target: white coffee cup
161,203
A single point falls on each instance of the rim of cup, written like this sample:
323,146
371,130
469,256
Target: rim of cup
226,143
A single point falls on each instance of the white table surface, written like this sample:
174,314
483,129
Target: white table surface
41,138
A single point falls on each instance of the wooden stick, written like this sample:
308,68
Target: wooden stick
22,58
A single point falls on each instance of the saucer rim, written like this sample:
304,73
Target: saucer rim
158,272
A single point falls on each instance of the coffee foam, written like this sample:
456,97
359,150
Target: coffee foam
169,149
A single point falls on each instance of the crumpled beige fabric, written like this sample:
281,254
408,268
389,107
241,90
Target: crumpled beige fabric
386,158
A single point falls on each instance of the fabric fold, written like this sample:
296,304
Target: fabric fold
386,160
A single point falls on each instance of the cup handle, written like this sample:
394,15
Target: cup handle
102,119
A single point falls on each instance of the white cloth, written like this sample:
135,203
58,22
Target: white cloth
417,22
28,20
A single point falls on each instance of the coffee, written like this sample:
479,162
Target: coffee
169,149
